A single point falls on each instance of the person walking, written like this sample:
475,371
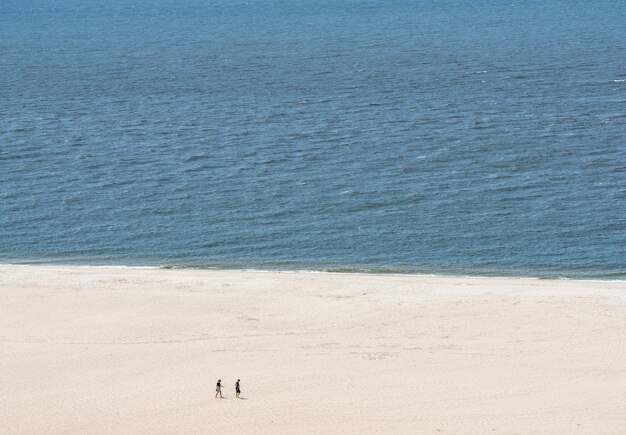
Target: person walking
237,389
218,389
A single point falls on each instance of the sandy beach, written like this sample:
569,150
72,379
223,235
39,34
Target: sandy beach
118,350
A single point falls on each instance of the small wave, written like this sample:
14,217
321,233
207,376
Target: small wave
175,266
347,270
195,157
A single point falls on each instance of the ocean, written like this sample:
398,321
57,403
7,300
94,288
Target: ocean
442,137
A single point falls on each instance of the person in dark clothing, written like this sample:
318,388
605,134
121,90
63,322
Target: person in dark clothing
218,389
237,389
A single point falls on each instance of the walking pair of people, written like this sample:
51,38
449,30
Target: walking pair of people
218,389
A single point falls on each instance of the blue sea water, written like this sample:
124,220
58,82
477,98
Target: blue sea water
436,136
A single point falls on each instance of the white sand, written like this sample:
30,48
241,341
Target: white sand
106,350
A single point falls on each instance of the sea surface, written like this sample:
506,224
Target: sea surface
481,137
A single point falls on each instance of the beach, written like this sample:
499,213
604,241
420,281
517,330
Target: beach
123,350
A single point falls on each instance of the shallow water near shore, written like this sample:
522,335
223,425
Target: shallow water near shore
484,138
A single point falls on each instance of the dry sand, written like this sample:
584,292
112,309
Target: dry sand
113,350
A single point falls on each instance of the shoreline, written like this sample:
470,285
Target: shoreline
120,350
357,271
